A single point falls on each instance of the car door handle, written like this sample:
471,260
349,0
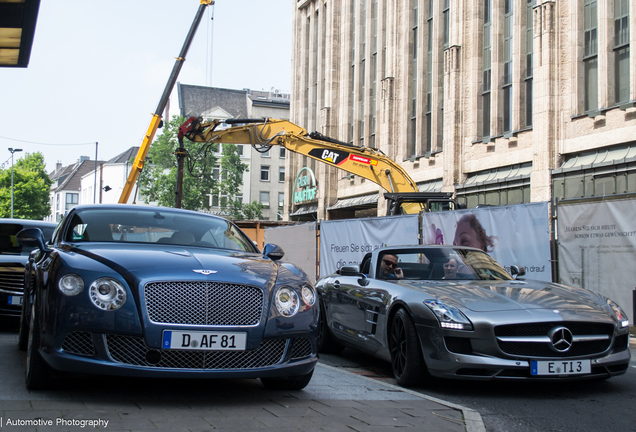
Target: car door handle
336,284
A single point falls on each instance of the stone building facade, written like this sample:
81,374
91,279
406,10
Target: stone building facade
498,101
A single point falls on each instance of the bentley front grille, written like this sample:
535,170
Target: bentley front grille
12,279
301,348
134,351
203,303
80,343
555,339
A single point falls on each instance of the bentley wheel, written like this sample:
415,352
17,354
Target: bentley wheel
37,371
326,342
406,355
291,383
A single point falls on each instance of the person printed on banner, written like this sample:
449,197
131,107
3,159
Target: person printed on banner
471,233
389,267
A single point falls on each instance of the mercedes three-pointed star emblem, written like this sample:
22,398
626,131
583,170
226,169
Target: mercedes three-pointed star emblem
561,338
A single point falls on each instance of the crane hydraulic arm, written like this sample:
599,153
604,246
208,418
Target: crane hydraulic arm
365,162
155,122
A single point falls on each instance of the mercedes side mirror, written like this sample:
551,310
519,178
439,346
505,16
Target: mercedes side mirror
517,271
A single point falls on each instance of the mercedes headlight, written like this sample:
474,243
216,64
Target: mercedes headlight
618,314
71,284
449,316
107,294
287,301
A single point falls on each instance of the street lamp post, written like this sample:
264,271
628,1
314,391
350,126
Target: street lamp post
12,150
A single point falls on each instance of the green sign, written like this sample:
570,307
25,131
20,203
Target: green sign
305,186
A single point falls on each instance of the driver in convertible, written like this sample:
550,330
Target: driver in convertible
389,268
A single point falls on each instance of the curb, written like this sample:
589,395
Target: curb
472,418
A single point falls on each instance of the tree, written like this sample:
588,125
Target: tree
229,186
31,187
159,178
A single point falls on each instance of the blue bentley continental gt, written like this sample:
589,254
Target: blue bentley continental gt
145,291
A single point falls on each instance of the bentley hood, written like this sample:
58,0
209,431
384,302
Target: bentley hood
148,263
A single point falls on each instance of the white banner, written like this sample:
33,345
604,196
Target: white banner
344,242
298,242
513,235
597,248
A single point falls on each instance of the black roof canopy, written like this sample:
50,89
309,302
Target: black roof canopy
17,28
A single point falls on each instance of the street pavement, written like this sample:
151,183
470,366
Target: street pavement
335,400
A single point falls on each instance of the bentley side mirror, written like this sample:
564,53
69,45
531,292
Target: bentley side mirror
273,252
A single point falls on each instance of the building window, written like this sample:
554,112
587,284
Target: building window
485,97
216,171
281,174
590,54
265,153
264,173
621,49
362,75
429,79
446,16
264,197
412,143
374,70
239,149
215,201
57,202
71,200
529,59
281,200
352,78
281,154
507,65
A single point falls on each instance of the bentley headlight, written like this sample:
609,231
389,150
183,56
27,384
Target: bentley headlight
71,284
618,313
287,301
449,316
107,294
309,295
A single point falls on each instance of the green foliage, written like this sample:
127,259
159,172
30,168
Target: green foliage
31,187
230,185
159,178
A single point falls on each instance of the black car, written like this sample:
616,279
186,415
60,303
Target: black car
13,257
143,291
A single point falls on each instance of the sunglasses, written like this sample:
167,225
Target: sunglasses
389,263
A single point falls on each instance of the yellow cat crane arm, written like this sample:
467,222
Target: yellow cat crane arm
365,162
155,122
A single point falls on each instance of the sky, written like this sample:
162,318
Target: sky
98,69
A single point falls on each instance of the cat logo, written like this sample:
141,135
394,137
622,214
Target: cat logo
335,157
